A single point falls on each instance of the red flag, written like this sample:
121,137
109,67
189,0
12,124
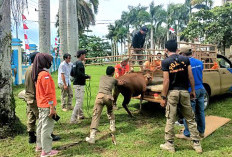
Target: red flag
26,46
24,17
171,30
25,36
55,38
25,26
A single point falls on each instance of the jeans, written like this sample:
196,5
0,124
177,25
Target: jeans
198,109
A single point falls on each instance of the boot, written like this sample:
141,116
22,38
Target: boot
91,139
169,146
55,137
197,147
112,126
32,137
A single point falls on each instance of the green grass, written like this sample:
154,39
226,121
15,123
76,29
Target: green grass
135,137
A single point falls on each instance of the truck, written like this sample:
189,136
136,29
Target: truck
216,80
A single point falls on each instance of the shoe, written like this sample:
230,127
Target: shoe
178,123
51,153
112,126
70,107
38,149
80,117
32,137
91,138
182,136
202,135
197,147
64,109
168,146
55,137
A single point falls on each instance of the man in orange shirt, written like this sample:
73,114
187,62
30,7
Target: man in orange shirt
120,69
153,65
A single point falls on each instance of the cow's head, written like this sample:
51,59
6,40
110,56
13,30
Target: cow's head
148,77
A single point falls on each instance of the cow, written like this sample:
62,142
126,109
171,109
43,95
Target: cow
134,85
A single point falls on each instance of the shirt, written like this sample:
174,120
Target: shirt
197,68
78,72
121,70
177,67
64,68
106,84
29,86
45,90
138,40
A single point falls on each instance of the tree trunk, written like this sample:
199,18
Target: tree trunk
71,30
7,105
152,37
44,26
75,25
63,27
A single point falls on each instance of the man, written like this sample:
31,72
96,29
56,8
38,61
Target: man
78,73
120,70
64,82
138,43
153,64
32,109
198,103
104,98
177,74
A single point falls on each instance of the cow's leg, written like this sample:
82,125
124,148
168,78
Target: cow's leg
140,104
115,95
125,102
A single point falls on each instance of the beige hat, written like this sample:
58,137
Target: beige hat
185,49
125,58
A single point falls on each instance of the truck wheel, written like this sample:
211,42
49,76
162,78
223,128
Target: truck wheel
206,100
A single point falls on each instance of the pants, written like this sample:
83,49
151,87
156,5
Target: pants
138,57
32,115
198,109
68,93
79,95
44,129
174,97
101,100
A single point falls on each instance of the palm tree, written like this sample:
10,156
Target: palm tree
63,26
157,17
44,26
7,104
202,4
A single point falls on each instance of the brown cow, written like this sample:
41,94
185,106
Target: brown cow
134,85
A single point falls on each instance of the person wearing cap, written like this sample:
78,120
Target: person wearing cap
78,73
120,70
64,82
177,75
198,103
138,41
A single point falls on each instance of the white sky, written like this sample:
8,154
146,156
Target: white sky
107,10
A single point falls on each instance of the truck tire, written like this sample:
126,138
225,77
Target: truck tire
206,100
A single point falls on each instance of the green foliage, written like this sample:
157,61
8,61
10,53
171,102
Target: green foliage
214,25
96,46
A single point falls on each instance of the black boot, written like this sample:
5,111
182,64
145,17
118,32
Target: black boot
55,137
32,137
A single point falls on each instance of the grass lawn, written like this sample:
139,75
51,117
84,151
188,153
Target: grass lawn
135,137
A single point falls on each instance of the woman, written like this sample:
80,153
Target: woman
46,102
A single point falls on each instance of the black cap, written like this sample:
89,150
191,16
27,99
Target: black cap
144,28
80,52
32,56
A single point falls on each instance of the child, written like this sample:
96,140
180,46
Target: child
104,97
46,102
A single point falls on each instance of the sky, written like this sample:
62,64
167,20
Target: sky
108,12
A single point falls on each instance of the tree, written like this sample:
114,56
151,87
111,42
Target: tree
63,26
44,26
7,104
214,25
